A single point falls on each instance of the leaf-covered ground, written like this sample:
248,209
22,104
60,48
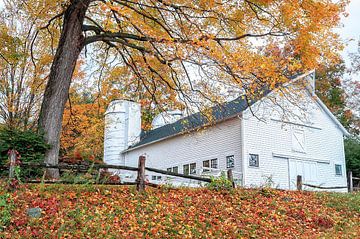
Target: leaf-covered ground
71,211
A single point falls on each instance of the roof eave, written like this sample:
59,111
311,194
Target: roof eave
328,112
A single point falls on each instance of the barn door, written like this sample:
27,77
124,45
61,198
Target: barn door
307,169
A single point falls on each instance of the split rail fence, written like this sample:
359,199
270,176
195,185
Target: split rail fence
140,181
350,187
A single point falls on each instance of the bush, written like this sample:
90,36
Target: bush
5,212
30,145
220,184
352,155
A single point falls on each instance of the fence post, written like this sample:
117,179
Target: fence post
231,177
12,159
299,182
351,185
140,181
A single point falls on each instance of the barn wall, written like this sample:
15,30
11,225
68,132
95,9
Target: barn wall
271,138
218,141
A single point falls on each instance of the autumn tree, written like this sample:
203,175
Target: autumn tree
330,83
195,49
83,127
21,83
353,85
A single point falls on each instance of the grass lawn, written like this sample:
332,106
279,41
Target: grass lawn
87,211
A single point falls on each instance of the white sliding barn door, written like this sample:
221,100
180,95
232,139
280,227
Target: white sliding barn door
280,174
307,169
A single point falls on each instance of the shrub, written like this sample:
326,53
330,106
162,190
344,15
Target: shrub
352,155
5,211
30,145
220,184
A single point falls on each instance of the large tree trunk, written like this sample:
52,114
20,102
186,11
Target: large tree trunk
57,89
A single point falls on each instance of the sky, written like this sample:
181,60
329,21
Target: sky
350,33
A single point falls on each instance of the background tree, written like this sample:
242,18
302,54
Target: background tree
21,83
352,86
352,155
83,129
195,49
330,89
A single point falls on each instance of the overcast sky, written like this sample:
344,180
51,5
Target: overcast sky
350,33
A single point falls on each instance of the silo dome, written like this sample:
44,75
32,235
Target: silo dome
166,117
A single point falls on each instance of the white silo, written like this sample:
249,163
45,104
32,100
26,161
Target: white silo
122,129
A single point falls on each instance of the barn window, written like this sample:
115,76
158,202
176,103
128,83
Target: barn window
214,163
298,140
230,161
186,169
338,169
206,164
193,168
173,169
253,160
154,177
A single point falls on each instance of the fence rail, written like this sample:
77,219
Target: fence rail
140,181
300,184
351,182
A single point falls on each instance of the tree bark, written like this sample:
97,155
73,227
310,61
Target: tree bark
57,89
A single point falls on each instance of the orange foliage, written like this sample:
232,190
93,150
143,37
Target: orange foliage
82,133
113,212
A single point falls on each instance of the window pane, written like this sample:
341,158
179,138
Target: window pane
214,163
168,169
186,169
193,168
254,160
338,169
206,164
175,169
230,161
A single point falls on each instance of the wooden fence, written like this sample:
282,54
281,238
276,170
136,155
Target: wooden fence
352,179
300,184
140,181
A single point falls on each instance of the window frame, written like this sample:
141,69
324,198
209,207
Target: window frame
192,168
216,164
233,161
295,140
186,169
204,166
336,171
177,169
257,165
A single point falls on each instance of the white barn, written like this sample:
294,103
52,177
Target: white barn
269,141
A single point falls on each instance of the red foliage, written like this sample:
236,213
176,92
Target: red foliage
71,211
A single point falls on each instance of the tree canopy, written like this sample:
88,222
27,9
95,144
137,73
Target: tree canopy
184,51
